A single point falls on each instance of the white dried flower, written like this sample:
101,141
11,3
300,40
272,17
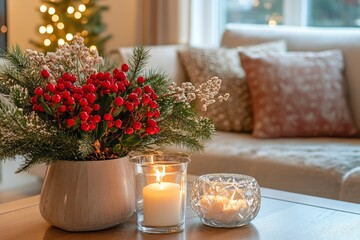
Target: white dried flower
206,93
75,59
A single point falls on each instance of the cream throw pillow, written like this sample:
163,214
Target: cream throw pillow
202,64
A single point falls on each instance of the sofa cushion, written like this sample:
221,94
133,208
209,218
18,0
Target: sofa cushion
202,64
307,39
298,94
314,166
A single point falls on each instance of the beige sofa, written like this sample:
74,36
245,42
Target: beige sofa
326,167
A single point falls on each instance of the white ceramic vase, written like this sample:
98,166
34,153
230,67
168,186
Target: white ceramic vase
88,195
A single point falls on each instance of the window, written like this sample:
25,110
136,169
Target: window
334,13
209,17
254,11
319,13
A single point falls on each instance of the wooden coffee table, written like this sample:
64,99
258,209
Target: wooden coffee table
283,215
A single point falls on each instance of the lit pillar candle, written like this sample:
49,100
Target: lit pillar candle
162,204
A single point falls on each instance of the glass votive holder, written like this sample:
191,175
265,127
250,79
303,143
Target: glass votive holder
160,192
225,200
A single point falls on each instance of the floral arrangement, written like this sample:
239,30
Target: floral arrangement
72,104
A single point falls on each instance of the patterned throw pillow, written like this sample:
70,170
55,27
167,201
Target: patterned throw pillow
202,64
298,94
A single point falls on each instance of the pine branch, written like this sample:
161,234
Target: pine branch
138,61
16,57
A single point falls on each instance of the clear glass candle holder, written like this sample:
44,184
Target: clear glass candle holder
160,192
225,200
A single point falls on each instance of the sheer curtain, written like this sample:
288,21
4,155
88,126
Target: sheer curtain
162,22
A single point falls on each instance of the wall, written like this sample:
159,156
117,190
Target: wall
24,18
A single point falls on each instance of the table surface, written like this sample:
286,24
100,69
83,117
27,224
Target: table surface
282,215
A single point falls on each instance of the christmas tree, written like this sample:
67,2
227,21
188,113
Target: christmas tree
64,19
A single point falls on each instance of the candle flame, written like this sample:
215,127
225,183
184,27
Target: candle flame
160,175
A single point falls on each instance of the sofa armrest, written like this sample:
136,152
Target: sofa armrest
163,57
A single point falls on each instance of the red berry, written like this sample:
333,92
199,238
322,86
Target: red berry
60,87
89,81
47,97
92,126
118,123
84,116
100,75
39,91
151,123
129,106
67,84
126,82
150,114
141,80
120,76
105,91
157,129
137,125
96,118
154,96
41,109
70,108
108,117
138,91
65,94
66,76
70,101
107,76
56,98
84,88
121,86
153,104
150,130
156,113
148,89
35,107
70,122
91,88
136,102
87,109
60,80
96,107
115,71
132,96
146,99
83,102
50,87
106,84
119,101
62,108
45,74
110,124
34,100
125,67
85,127
91,97
129,130
72,79
114,88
